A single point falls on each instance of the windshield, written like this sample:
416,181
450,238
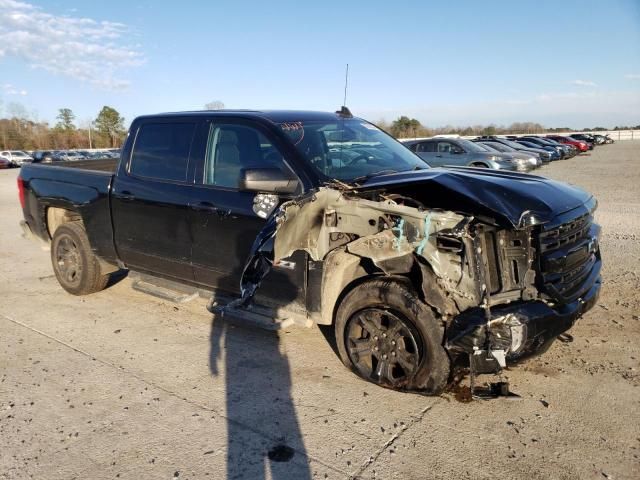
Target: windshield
511,144
488,148
471,146
346,149
501,147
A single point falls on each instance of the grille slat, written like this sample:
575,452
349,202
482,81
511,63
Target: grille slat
567,257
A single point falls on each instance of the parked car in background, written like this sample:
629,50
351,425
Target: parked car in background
543,154
92,154
533,159
16,157
44,156
4,162
439,152
579,144
565,151
555,154
588,139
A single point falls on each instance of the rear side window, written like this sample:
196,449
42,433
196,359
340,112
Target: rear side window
162,151
427,147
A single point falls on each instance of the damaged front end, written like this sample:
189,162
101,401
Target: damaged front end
485,280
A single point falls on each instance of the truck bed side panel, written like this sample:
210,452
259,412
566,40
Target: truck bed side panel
85,192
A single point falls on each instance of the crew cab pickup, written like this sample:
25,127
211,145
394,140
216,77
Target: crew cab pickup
324,216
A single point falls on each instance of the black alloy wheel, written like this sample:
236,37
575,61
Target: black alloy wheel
69,262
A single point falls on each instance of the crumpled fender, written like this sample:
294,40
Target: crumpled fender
391,235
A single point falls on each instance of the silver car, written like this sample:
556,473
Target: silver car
439,152
16,157
532,159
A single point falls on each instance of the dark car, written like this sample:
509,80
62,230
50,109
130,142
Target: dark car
45,156
325,218
588,139
555,154
565,151
5,163
544,155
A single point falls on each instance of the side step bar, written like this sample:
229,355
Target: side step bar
161,288
219,303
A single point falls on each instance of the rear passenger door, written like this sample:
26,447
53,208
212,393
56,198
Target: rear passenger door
150,199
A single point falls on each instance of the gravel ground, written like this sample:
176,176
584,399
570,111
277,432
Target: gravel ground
123,385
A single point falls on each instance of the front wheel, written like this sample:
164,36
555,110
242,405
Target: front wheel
74,264
388,336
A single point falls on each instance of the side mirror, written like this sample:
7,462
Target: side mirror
267,180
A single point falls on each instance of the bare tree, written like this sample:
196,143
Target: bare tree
214,105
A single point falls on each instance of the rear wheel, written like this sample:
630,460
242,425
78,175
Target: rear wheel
388,336
74,264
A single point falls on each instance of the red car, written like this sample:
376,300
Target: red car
4,163
579,144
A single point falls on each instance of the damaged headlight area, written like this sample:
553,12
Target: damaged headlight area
456,262
393,233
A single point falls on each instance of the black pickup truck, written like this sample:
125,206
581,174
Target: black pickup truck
324,216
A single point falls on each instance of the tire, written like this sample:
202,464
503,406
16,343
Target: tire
374,347
74,263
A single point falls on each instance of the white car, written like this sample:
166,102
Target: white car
16,157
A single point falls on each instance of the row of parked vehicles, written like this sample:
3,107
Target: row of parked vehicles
521,153
16,158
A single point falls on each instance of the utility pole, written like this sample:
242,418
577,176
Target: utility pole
90,145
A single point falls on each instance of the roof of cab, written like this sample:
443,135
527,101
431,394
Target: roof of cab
275,116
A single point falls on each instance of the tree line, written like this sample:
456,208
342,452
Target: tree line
405,127
19,131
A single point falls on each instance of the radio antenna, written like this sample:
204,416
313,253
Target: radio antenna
346,83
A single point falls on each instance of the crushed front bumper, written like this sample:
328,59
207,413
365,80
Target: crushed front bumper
513,332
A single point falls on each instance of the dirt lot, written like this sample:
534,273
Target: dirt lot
120,384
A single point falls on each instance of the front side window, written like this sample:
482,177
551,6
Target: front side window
445,147
349,148
232,148
161,151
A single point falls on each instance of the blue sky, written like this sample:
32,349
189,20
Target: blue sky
560,63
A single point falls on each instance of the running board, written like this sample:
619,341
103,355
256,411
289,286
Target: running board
164,289
220,303
257,315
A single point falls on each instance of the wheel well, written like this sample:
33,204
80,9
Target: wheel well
479,164
57,216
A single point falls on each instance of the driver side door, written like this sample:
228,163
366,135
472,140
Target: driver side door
224,224
451,154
